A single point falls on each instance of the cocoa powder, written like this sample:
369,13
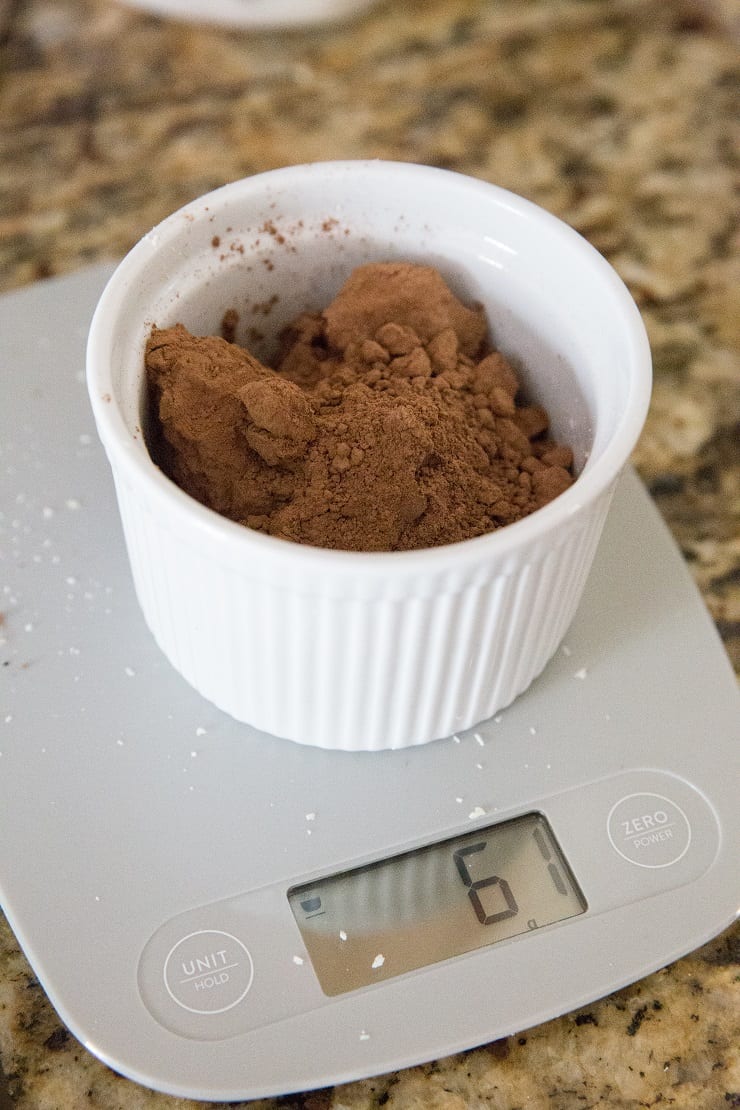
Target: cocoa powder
386,424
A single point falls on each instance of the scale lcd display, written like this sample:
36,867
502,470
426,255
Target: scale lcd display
433,903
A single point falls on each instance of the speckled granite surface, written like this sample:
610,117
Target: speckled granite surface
617,116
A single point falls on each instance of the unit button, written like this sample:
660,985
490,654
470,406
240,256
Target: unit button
208,972
649,830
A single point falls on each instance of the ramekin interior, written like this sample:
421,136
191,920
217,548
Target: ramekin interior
283,242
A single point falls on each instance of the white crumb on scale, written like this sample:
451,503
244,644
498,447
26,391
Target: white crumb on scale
298,960
342,934
477,812
581,674
379,960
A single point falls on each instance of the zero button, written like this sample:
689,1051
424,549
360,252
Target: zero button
649,830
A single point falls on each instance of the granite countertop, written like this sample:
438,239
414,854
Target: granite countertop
617,115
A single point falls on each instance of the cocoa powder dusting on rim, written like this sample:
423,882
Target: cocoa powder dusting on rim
386,424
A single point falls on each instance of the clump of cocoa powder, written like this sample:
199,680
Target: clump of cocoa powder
386,424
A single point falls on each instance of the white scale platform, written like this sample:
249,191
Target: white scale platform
148,842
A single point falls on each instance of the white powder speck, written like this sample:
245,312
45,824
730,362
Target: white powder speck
581,674
456,738
28,627
477,812
309,832
129,671
8,718
379,960
479,766
533,730
119,743
607,716
193,755
549,766
200,732
310,816
47,512
74,651
97,897
459,801
342,934
364,1036
479,739
71,580
499,719
72,503
298,960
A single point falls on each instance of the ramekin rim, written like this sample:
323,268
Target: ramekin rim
131,455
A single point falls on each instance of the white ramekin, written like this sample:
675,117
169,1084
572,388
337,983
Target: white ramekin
351,650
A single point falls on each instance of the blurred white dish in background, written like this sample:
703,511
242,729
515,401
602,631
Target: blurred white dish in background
255,13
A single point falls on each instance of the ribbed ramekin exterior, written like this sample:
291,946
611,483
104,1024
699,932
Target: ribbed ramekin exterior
357,673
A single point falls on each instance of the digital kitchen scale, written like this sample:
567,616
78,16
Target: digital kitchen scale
220,914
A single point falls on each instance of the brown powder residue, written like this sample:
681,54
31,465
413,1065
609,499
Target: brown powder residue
386,424
229,324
